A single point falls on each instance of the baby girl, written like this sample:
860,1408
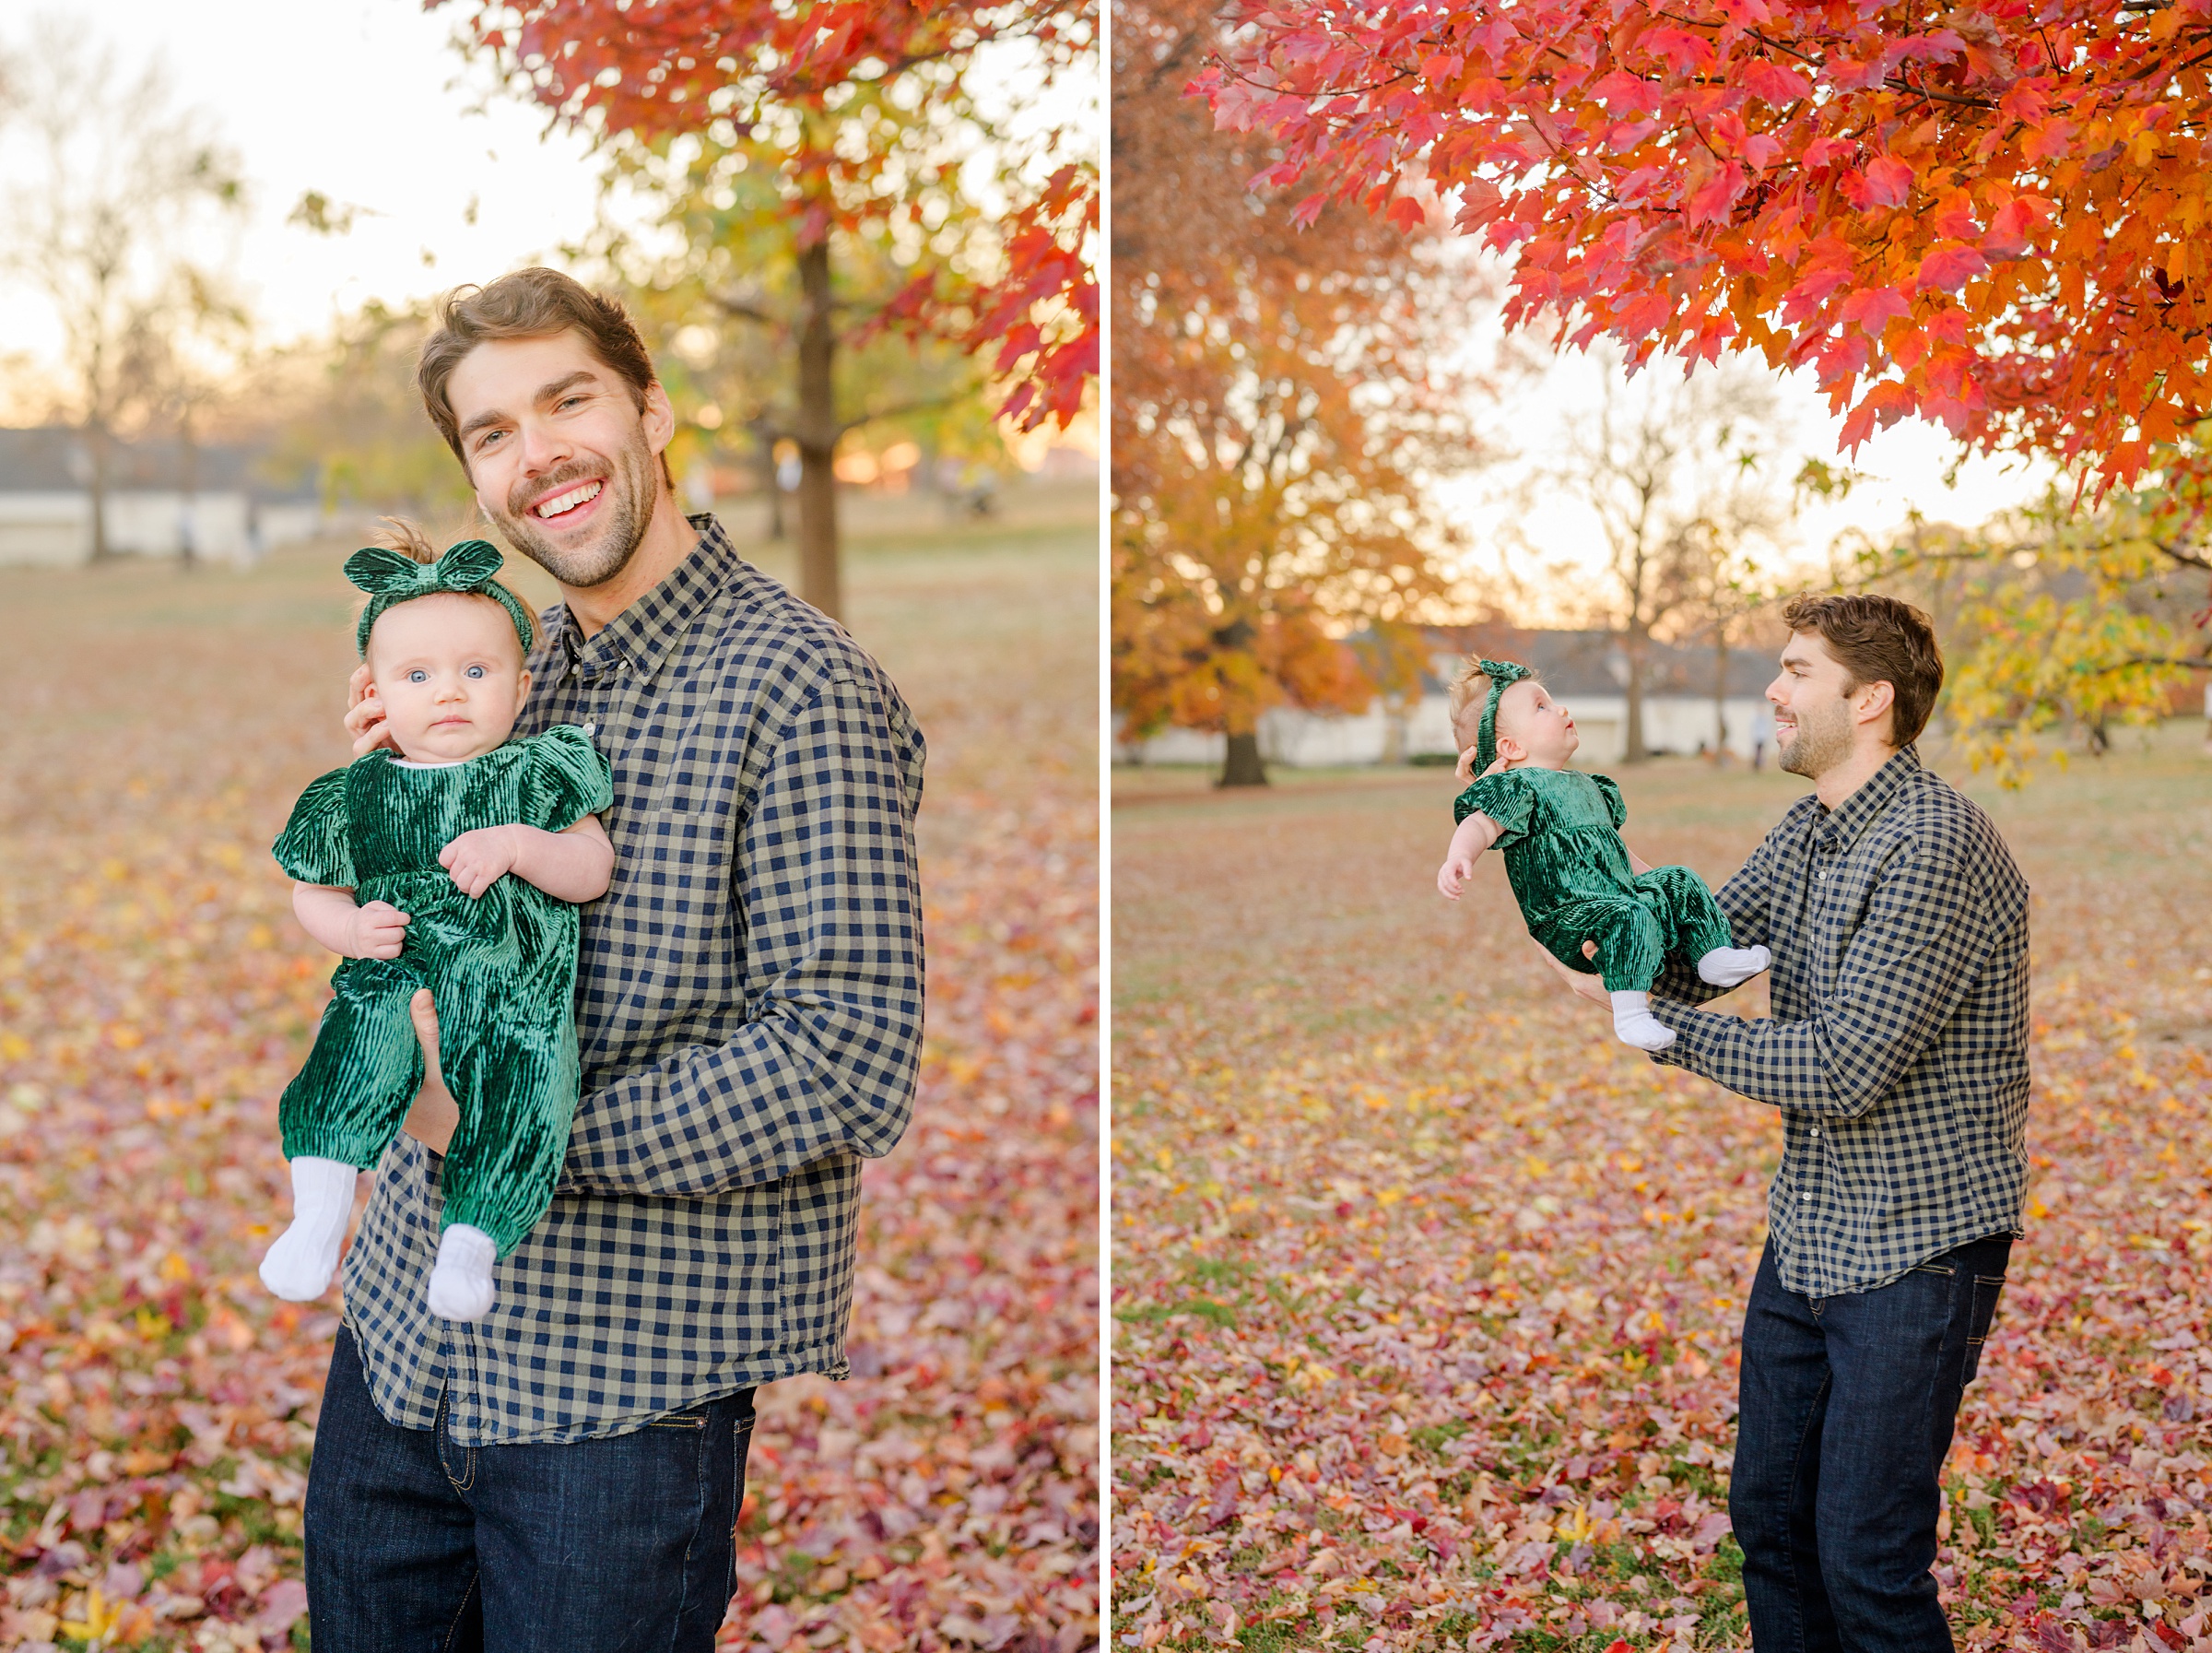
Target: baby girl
1575,879
453,864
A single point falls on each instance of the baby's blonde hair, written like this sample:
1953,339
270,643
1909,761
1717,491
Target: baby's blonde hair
1468,692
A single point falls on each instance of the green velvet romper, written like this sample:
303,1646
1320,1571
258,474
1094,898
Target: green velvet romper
1560,836
502,967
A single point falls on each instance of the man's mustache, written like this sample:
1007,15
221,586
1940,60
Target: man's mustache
524,495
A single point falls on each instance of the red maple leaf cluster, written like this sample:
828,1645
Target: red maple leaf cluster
1989,215
670,67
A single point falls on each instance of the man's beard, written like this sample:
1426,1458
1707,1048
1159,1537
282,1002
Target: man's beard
1823,740
629,514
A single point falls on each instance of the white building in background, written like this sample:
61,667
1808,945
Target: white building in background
229,516
1586,671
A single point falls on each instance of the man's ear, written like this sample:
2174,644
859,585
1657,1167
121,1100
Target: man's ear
1874,701
659,418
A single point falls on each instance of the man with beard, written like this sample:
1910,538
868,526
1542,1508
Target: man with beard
1898,1056
566,1473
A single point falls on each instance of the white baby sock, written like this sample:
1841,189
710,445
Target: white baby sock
1732,966
461,1281
1633,1023
305,1255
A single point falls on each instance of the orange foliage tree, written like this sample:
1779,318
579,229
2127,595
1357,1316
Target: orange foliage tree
1277,405
1992,215
808,121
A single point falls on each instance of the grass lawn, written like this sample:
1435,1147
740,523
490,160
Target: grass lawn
156,1406
1427,1291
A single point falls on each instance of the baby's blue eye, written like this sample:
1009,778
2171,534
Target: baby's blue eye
475,671
419,676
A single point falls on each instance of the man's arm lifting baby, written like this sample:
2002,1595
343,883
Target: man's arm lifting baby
1587,900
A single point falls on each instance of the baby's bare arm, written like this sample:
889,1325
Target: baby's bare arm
574,865
1475,833
329,914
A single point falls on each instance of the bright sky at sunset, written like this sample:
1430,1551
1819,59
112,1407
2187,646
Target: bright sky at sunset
1907,468
364,100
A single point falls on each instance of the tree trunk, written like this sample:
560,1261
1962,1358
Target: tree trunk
96,486
1720,696
816,434
189,478
1241,766
764,450
1633,651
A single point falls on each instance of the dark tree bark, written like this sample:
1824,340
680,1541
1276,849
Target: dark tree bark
189,479
1634,652
764,462
1720,694
98,451
816,434
1242,766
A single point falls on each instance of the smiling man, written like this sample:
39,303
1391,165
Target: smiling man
1898,1056
565,1473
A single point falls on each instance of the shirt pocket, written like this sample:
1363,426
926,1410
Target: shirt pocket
671,866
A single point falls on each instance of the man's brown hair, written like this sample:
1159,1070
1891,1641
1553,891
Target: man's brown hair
1878,640
531,303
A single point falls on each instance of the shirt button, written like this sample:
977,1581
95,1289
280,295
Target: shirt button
1804,1195
591,728
1816,1130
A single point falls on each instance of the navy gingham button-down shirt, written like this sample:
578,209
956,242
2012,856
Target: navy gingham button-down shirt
748,1014
1898,1049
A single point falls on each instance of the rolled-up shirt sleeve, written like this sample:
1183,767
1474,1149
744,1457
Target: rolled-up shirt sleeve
825,1060
1912,960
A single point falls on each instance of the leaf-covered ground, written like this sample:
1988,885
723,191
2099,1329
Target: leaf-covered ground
156,1406
1426,1292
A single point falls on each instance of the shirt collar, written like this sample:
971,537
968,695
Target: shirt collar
1839,827
643,633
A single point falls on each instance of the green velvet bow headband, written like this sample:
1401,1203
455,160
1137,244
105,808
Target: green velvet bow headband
390,577
1502,674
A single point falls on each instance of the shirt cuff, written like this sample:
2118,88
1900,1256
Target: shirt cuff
1694,1036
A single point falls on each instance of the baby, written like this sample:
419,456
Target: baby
452,864
1573,876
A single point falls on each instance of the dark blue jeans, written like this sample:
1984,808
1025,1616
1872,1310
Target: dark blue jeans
418,1545
1847,1407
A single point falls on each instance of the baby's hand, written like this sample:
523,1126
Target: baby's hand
380,930
1453,876
480,859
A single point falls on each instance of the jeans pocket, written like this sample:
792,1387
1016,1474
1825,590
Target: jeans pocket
1935,1266
1983,1314
690,1420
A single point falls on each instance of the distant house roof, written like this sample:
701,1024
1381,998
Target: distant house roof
1588,663
44,458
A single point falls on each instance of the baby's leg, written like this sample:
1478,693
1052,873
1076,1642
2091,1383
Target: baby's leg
338,1117
1630,951
1697,929
504,1159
